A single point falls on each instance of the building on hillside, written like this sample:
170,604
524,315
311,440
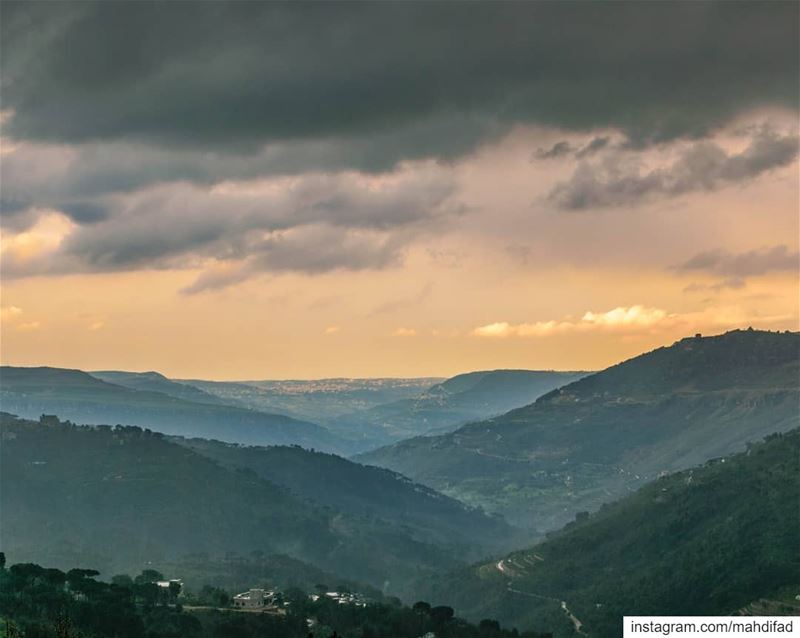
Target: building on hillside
171,584
346,598
255,599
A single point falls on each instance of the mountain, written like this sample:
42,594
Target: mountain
118,499
371,413
358,490
318,400
80,397
608,433
705,541
157,382
456,401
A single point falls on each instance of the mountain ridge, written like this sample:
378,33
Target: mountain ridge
595,439
80,397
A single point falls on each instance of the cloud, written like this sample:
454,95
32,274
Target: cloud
216,277
732,283
170,74
12,316
311,224
399,304
702,166
593,146
404,332
628,320
632,316
746,264
29,326
621,317
332,330
10,313
559,149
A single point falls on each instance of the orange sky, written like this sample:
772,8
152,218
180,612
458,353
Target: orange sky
304,190
508,262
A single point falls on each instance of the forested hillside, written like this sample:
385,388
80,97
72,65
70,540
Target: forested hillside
50,603
360,490
117,499
705,541
606,434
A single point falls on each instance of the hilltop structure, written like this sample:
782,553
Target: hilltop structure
255,599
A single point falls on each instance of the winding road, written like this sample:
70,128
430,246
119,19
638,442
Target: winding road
508,572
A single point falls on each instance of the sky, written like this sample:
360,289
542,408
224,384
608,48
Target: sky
251,190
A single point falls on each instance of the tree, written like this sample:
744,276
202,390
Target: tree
442,614
488,625
148,576
174,591
122,580
421,607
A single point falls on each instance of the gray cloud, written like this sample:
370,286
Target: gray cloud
737,266
564,148
311,224
54,176
233,77
559,149
595,144
84,212
702,166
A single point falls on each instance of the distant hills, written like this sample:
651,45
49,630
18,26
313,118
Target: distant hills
318,400
711,540
606,434
120,498
371,413
458,400
354,415
157,382
82,398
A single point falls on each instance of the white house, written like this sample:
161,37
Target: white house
254,599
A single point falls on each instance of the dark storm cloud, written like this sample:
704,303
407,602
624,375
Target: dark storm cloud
701,166
234,76
84,212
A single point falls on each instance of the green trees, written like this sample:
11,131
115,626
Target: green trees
37,604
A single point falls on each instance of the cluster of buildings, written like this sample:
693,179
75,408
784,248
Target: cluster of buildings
343,598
